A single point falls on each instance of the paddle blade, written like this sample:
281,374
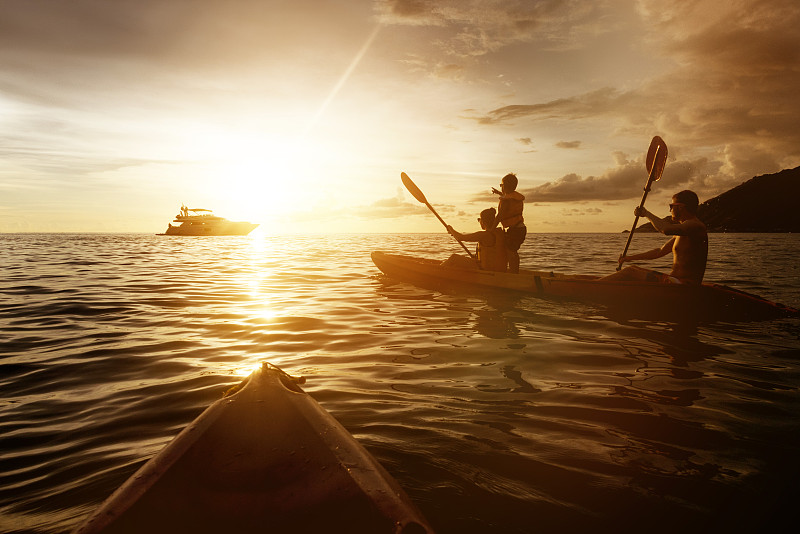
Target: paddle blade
412,188
656,158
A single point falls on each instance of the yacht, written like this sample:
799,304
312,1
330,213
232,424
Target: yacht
198,221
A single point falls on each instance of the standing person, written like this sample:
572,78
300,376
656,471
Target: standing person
509,213
491,250
689,246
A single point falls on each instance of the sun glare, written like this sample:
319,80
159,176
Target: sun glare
256,177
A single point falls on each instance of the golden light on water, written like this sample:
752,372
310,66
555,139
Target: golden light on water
257,277
247,370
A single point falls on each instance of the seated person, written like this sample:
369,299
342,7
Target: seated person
689,247
491,250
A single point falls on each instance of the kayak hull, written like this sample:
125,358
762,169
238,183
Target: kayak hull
267,458
646,298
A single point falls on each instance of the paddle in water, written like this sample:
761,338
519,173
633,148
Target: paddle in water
656,159
417,193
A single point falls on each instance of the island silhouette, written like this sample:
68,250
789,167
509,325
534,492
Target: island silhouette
762,204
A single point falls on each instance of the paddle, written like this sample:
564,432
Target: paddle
416,193
656,159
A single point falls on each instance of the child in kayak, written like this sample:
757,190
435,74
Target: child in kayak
491,249
509,214
689,247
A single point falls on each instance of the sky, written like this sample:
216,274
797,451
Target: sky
300,115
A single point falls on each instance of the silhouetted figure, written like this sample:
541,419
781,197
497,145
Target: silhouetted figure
689,247
509,214
491,249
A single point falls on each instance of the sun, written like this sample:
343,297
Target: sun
286,179
260,177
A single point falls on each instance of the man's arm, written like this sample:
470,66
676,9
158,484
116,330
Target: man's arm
656,253
689,227
666,225
475,236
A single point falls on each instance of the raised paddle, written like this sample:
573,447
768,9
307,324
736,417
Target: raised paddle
656,159
416,193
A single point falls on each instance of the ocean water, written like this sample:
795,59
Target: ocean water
497,413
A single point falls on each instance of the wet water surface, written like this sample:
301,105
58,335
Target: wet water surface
497,413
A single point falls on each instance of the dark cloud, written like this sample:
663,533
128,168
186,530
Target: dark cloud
155,29
526,142
103,57
736,87
568,144
409,9
731,97
597,103
627,180
477,27
615,184
63,48
91,27
732,89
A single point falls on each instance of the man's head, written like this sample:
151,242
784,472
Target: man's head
509,182
685,200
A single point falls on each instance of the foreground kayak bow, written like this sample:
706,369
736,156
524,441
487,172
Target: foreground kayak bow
266,458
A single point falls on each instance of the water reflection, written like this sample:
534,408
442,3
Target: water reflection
496,412
515,376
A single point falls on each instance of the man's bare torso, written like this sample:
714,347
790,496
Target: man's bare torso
690,252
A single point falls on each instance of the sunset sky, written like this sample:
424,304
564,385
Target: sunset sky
301,115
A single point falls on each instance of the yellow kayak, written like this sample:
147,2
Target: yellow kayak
266,458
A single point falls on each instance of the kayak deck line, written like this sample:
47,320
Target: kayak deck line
708,300
265,458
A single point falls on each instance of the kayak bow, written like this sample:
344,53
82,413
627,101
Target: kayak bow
266,458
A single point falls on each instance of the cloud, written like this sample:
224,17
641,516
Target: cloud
627,180
391,207
528,143
54,52
474,28
193,30
568,144
85,27
580,212
597,103
735,87
441,70
729,97
614,184
397,207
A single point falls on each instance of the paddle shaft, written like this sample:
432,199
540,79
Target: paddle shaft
417,193
650,176
445,225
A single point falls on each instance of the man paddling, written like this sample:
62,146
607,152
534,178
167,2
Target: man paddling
689,246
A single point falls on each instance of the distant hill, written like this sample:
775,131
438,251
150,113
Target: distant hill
764,204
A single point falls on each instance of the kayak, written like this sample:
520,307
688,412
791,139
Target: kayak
265,458
643,298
